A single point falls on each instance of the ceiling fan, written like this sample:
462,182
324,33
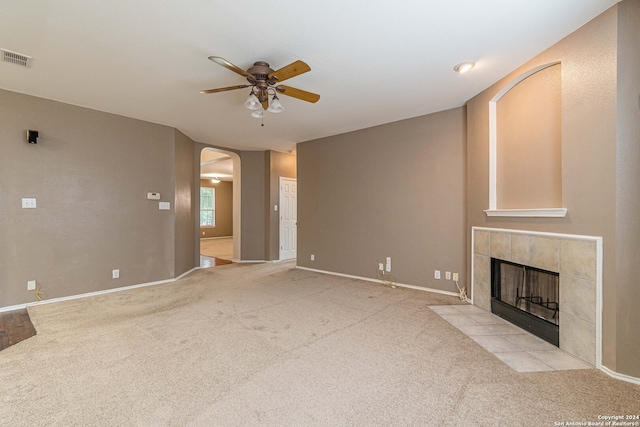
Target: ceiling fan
264,82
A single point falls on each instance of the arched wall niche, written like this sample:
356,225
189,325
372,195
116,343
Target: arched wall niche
525,146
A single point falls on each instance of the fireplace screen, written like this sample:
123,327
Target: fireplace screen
526,296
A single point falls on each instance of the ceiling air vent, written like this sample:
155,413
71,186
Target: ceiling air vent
15,58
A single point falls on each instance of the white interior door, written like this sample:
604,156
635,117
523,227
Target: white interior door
288,218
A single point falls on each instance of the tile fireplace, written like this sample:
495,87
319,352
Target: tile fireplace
574,261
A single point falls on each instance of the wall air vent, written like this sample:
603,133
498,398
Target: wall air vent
15,58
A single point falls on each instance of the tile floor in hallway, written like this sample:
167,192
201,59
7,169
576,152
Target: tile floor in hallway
206,262
516,347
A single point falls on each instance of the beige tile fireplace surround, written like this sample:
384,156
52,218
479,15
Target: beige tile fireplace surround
578,260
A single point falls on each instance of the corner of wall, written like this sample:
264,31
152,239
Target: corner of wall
184,214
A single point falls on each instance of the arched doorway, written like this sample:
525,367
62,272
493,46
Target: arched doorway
221,222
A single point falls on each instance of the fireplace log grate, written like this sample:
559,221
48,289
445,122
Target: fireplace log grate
537,300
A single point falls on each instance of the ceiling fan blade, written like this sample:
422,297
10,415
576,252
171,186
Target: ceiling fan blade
224,89
291,70
298,93
230,66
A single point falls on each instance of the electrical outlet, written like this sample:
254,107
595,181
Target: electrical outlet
28,203
436,274
115,274
380,267
388,264
313,257
31,285
455,277
447,275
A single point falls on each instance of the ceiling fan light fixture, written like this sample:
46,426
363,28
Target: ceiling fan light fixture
463,67
275,106
252,102
215,180
257,113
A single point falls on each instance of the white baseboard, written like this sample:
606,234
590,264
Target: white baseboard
368,279
621,377
91,294
249,261
217,237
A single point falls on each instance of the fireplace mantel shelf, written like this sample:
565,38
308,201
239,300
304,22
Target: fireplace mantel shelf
544,212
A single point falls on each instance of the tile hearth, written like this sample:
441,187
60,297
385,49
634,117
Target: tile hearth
516,347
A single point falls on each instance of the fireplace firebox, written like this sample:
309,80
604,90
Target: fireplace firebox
527,297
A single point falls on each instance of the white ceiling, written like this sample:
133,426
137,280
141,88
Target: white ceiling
372,61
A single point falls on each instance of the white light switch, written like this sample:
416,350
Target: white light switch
275,208
164,206
28,203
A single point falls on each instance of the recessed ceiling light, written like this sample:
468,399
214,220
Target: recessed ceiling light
464,67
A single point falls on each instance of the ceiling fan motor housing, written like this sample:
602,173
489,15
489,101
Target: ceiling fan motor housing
260,71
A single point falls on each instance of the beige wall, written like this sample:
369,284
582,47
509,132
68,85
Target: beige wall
90,173
278,165
224,210
592,137
254,186
393,190
628,190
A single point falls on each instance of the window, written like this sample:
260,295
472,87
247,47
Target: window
207,207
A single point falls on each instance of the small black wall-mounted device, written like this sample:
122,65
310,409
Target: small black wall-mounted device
32,136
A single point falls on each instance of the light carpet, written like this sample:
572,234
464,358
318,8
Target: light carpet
268,344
